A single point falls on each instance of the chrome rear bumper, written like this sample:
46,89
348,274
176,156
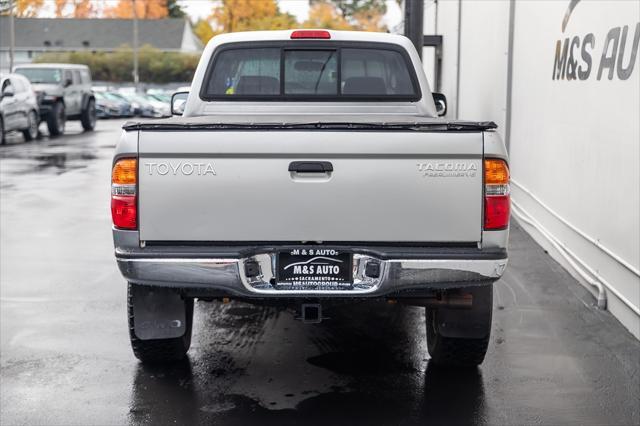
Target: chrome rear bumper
227,275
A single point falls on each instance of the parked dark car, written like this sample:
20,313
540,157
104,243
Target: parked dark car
126,109
18,107
142,106
111,106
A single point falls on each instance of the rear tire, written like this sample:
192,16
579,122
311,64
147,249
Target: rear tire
159,350
459,351
2,139
31,132
88,116
56,119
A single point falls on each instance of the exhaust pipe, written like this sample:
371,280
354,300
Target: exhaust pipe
454,301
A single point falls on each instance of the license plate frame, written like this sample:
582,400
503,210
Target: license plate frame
312,268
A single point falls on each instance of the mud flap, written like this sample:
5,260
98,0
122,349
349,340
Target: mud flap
474,323
158,313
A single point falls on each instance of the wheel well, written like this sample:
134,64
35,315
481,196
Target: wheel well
86,99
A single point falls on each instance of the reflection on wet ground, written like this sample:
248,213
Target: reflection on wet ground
365,366
65,357
56,155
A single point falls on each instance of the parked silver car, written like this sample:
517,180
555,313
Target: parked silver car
18,107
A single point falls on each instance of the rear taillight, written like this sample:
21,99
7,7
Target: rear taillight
496,194
124,203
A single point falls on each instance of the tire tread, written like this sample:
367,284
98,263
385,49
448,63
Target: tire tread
455,352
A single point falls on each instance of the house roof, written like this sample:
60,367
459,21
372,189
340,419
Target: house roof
97,34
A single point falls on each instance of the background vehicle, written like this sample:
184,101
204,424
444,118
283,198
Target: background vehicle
141,105
161,106
126,109
108,106
161,95
64,93
310,169
18,107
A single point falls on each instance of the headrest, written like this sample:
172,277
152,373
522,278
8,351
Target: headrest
364,86
258,85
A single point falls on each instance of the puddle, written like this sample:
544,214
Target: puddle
63,162
56,162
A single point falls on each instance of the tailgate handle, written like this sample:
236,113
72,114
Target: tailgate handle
310,166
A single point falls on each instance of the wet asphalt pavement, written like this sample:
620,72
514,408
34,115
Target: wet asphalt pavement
65,357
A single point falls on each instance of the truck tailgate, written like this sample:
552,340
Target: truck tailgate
385,186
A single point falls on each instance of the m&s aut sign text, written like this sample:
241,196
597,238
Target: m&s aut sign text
611,55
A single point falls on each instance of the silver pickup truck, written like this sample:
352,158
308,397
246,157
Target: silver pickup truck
310,169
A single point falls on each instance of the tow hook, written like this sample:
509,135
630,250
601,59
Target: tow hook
311,313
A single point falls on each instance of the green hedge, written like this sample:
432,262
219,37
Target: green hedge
154,66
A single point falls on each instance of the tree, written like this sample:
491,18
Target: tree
350,8
363,15
28,8
145,9
324,14
59,5
280,21
369,20
155,66
81,8
5,6
203,30
245,15
174,9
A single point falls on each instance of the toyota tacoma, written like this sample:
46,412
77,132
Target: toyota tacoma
310,169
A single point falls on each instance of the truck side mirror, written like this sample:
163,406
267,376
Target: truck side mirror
68,82
178,102
441,103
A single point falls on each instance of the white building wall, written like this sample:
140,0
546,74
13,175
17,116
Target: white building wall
484,40
574,144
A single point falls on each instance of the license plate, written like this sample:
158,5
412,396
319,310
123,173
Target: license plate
314,268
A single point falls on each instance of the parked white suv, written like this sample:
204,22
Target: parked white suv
64,93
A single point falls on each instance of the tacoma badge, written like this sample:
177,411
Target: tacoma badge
447,169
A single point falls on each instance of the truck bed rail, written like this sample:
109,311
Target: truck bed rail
210,125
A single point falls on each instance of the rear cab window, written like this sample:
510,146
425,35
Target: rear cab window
310,71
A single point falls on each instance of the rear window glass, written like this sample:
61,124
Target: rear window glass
311,72
246,72
378,72
292,73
